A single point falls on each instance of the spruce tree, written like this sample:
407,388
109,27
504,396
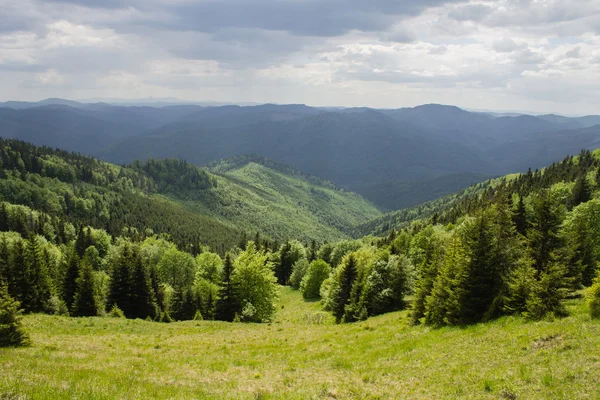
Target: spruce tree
143,300
80,242
284,269
312,255
543,235
226,306
581,191
71,267
4,221
483,282
37,297
4,260
520,217
84,303
12,332
18,284
121,282
341,297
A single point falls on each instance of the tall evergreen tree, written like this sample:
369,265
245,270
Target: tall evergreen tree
17,272
4,221
226,305
12,332
142,294
582,191
312,255
121,282
80,242
284,269
84,303
37,297
4,260
341,297
543,233
71,267
520,217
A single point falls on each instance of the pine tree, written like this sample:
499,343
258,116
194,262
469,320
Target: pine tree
341,297
18,284
483,281
37,297
547,293
121,282
543,234
445,304
4,260
520,283
142,294
4,221
71,267
581,191
11,328
520,217
84,303
80,243
226,306
312,255
284,269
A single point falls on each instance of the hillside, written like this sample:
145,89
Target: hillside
292,358
256,194
174,197
385,155
450,208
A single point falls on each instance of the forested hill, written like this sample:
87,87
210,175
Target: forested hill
569,174
395,158
192,205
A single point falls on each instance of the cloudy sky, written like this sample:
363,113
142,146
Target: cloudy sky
534,55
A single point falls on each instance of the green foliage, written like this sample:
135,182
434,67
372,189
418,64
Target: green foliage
12,332
227,304
116,312
254,285
84,302
37,297
594,299
210,267
299,270
317,272
341,287
290,252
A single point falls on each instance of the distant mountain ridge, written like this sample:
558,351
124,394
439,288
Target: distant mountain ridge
360,149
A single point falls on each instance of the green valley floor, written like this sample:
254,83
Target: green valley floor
303,354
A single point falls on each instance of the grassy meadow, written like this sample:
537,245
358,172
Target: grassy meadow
303,354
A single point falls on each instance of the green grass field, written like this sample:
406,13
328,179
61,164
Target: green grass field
304,355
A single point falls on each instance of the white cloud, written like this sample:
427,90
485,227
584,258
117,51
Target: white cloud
478,54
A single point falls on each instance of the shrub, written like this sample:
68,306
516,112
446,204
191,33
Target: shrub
594,299
116,312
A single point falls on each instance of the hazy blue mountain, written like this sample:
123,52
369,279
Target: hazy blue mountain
394,157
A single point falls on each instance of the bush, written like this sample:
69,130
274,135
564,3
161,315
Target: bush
11,328
116,312
58,306
594,299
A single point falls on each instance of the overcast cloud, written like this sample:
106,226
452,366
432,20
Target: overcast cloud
532,55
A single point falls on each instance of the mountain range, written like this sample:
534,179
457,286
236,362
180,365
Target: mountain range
396,158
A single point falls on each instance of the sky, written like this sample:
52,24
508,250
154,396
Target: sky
528,55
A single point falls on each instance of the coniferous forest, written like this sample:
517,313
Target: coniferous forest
82,237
